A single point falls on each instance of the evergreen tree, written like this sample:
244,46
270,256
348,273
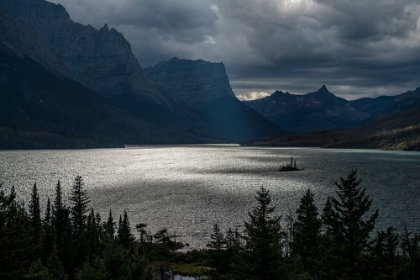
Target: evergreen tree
95,272
79,205
219,258
56,268
230,238
58,202
141,229
218,240
110,226
347,226
58,215
307,233
35,215
92,236
48,238
17,250
383,255
38,272
161,236
263,240
125,237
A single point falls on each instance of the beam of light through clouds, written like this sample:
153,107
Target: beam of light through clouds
356,48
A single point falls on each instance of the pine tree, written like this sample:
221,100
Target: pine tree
161,236
307,232
141,229
218,240
263,240
110,226
79,208
92,237
219,258
35,215
58,202
383,255
95,272
17,250
48,238
62,229
347,226
56,268
125,237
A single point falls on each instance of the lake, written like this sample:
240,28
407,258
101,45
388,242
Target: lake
189,188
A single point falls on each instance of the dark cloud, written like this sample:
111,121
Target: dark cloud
357,48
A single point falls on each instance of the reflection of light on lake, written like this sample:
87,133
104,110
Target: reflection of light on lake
189,188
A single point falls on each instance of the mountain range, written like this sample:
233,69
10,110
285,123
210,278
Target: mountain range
385,122
41,43
68,85
322,110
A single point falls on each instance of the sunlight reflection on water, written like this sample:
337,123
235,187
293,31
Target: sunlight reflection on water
189,188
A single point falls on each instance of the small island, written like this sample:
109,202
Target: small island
289,167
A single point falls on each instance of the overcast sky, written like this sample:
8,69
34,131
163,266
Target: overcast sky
355,47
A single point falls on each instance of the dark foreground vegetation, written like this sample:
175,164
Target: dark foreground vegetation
72,242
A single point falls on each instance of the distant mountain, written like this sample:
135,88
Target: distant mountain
300,114
322,110
205,87
387,105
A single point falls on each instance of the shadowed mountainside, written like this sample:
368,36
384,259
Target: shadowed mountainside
205,87
400,131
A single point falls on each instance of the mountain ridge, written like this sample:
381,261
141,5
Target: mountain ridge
322,110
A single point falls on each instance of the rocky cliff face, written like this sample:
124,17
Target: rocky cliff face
193,82
19,38
101,60
204,87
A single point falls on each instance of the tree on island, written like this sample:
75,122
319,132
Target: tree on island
289,167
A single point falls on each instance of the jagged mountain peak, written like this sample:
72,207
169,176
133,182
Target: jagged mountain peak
105,28
323,89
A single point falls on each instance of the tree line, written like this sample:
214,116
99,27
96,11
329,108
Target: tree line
61,241
337,243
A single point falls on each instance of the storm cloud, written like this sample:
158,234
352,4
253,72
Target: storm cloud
356,48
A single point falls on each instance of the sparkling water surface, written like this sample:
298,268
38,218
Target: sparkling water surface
189,188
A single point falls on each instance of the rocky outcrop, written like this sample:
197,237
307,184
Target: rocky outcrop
193,82
205,87
101,60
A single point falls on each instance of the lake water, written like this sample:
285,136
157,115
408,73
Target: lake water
189,188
